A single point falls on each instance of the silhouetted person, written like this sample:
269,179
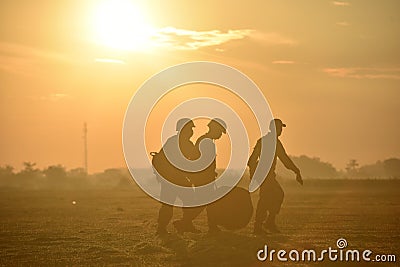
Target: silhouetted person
271,193
168,171
216,127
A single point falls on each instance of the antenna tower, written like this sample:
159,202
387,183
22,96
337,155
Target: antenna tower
85,147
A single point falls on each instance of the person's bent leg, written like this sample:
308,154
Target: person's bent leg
188,215
274,208
164,217
166,211
262,208
212,220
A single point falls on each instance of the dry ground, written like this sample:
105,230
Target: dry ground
116,227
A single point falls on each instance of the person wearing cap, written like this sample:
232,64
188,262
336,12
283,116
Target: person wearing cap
163,167
271,192
216,127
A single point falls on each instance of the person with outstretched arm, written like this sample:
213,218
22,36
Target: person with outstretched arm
271,192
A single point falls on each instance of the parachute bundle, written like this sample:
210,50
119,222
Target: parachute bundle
233,211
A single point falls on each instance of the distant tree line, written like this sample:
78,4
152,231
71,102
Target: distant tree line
316,169
389,168
58,176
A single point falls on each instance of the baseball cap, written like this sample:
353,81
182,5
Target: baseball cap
276,122
218,122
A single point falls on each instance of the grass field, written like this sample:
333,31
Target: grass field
117,226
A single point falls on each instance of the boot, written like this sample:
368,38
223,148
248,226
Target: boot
162,231
258,230
182,227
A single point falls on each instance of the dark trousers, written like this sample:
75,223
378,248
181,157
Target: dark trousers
169,193
189,214
271,198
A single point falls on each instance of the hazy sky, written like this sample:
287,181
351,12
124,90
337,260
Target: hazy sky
329,69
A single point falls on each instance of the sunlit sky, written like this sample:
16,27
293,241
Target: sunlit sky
329,69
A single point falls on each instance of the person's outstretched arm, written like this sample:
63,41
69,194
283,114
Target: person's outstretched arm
287,161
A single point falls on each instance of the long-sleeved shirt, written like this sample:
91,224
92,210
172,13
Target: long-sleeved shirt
208,174
279,153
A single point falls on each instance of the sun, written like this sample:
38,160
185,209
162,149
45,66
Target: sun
119,24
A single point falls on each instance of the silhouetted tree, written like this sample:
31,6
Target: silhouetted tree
315,168
29,176
7,171
78,173
351,167
108,178
7,176
29,167
310,168
375,171
55,172
392,167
